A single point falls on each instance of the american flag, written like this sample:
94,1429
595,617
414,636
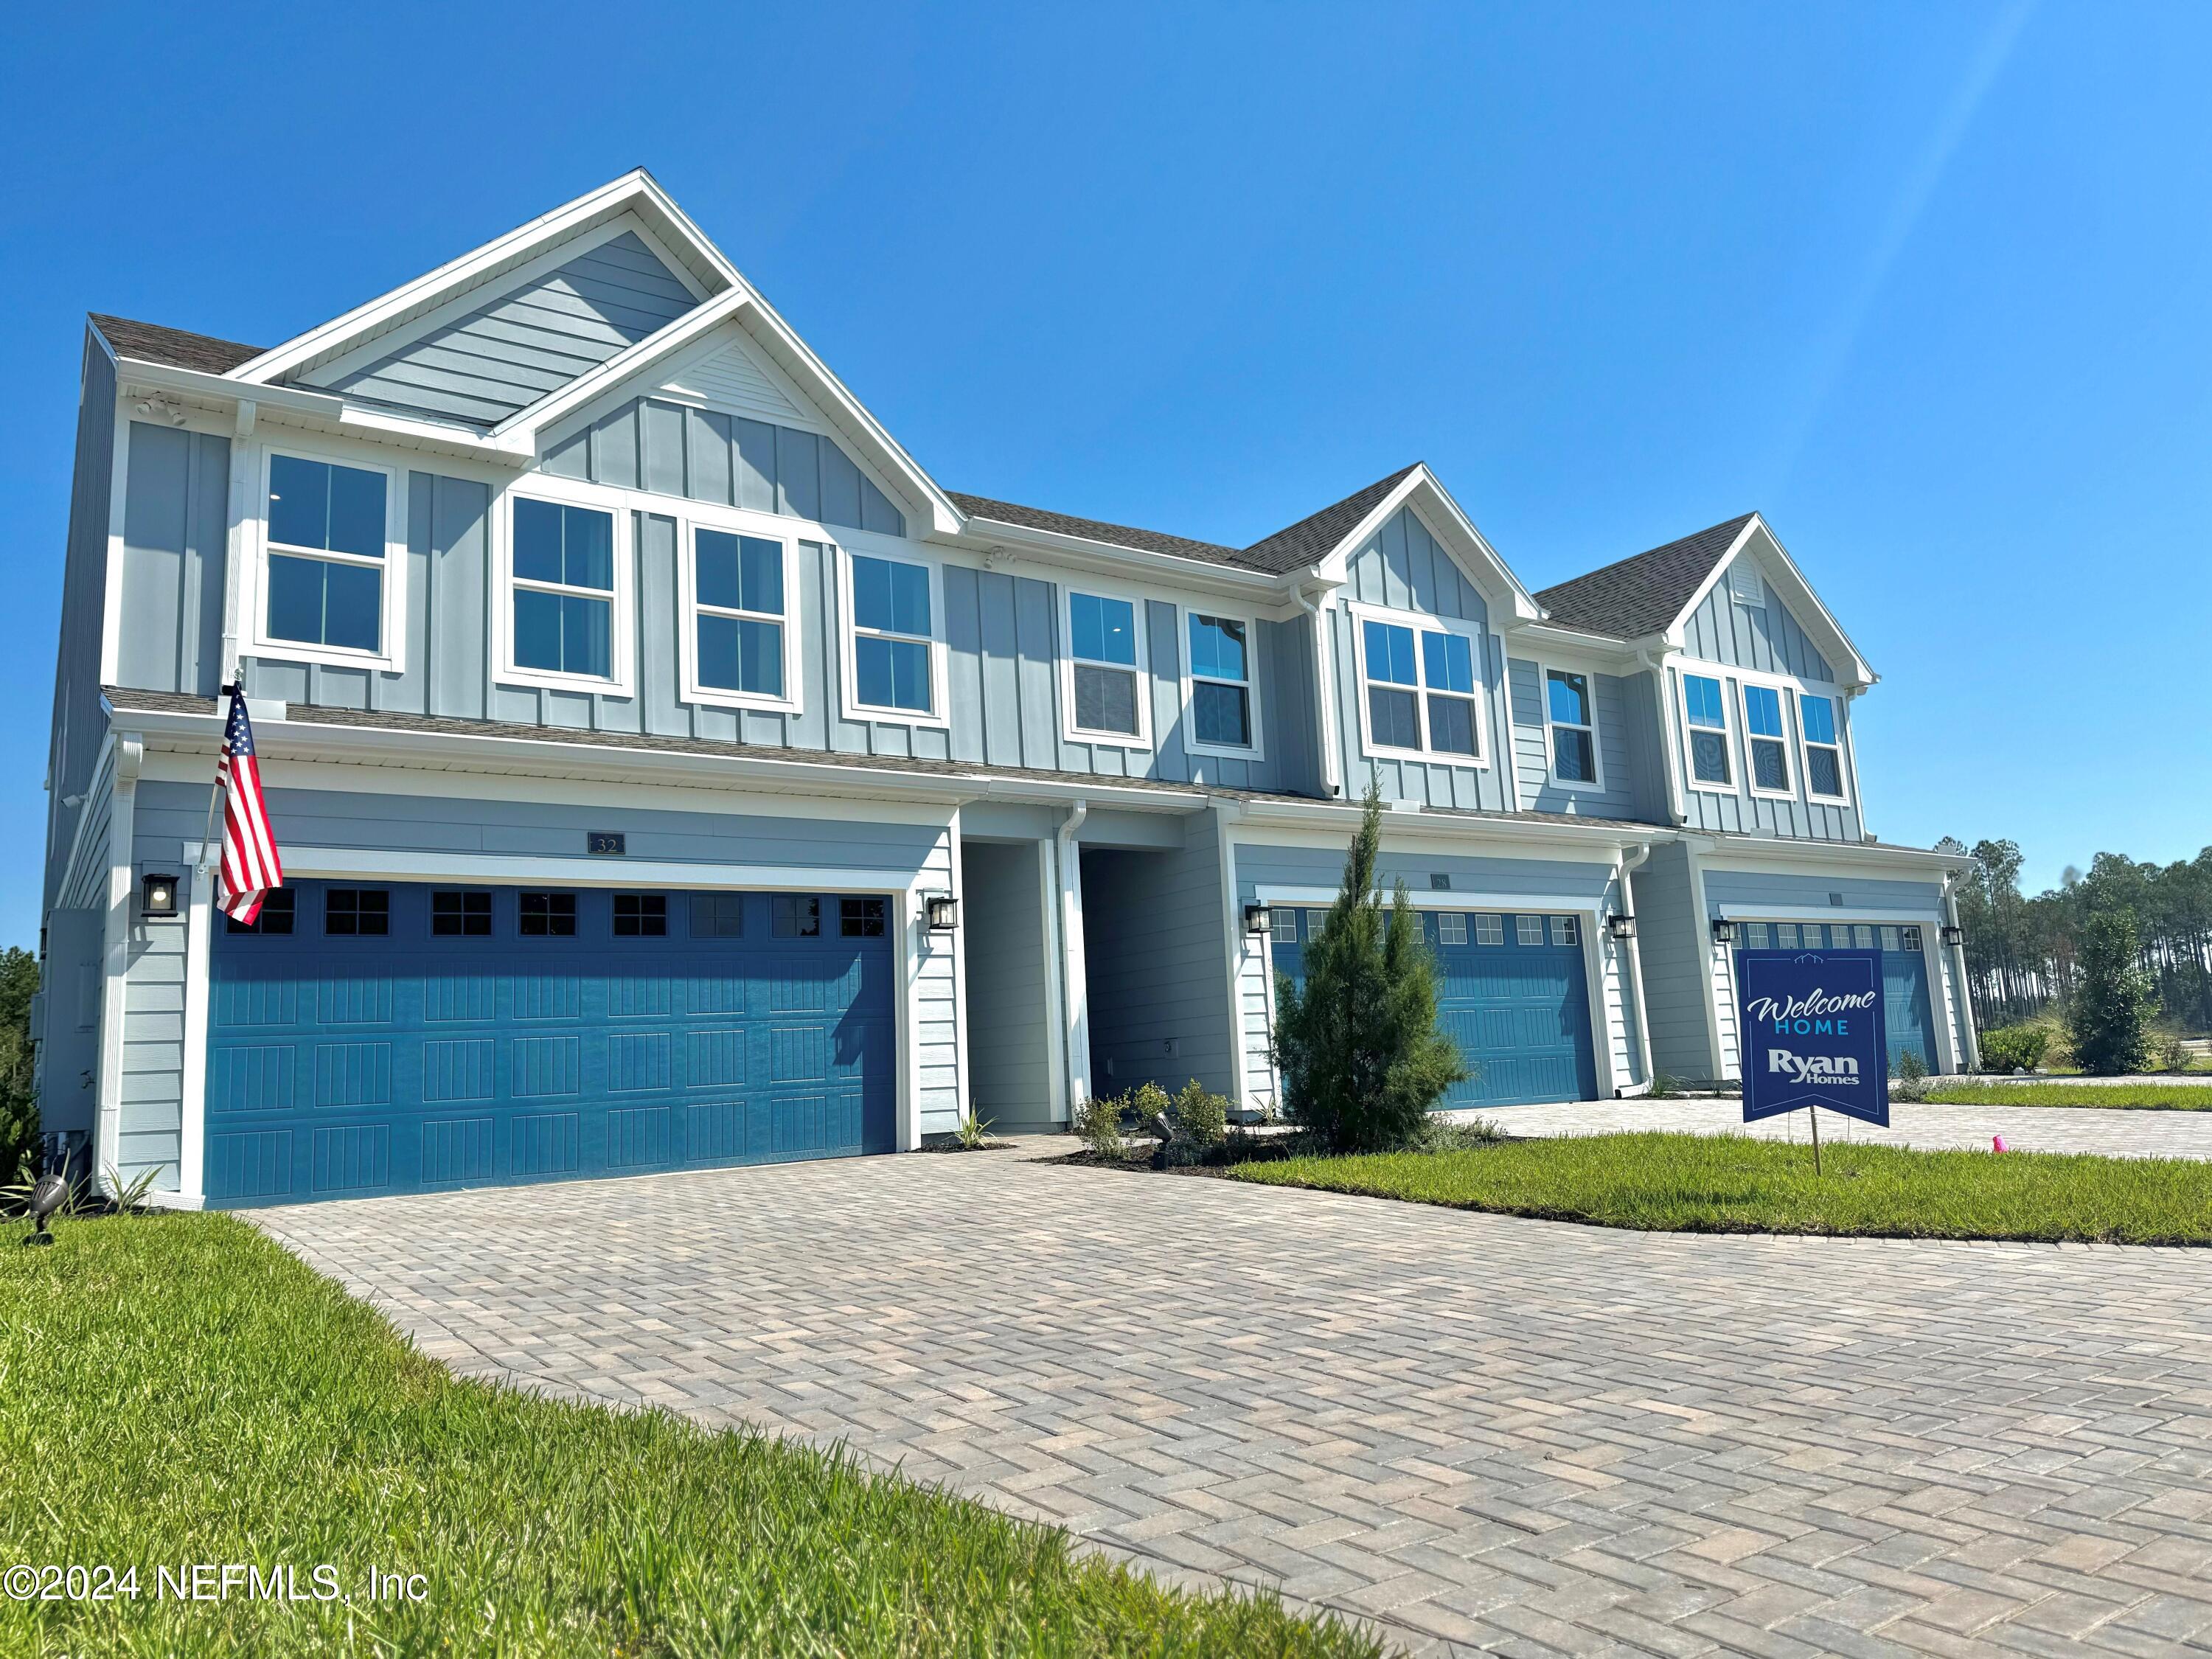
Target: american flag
250,864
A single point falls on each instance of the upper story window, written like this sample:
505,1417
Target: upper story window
1105,685
325,576
1420,688
1221,683
740,638
1767,739
1707,711
564,589
894,653
1824,756
1573,719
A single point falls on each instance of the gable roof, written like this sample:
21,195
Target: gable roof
1317,534
150,342
1635,598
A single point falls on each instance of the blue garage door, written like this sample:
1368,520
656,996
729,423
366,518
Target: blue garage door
1511,991
399,1038
1905,1001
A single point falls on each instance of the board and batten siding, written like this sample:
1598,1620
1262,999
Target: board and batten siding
1155,962
1761,639
176,510
1002,932
1404,568
79,725
527,343
1628,792
1477,882
1671,940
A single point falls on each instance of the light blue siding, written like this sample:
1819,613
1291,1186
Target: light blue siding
1674,943
175,529
1765,638
1624,795
515,350
703,455
1404,568
1814,894
78,724
1739,810
1155,945
1484,880
1003,934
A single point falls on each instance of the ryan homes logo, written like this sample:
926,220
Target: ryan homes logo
1817,1013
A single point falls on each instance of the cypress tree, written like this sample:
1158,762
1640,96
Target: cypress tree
1362,1059
2111,1014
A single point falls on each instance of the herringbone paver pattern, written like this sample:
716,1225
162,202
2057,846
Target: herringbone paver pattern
1513,1434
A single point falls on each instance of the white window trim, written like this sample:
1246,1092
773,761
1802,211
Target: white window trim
1069,729
622,624
1806,746
1551,778
392,658
1784,694
1478,699
1719,676
939,716
761,527
1257,750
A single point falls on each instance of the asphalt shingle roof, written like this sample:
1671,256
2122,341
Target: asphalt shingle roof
1639,596
1315,537
1096,529
149,342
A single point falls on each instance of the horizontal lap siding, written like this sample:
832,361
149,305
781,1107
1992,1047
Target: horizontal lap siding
1670,942
1626,791
1153,939
1404,568
516,350
1725,889
1002,909
932,1035
150,1123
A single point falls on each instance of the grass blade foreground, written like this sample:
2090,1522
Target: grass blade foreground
179,1390
1736,1184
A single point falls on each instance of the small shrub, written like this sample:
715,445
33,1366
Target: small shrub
1662,1087
1200,1117
2169,1053
1148,1103
2015,1048
1912,1076
1099,1123
1442,1135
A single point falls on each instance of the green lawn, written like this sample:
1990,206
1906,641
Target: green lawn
1735,1184
2142,1097
178,1389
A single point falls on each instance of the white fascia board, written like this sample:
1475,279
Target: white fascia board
988,536
1552,640
307,739
1495,577
1727,853
322,410
1801,597
518,434
474,267
1570,840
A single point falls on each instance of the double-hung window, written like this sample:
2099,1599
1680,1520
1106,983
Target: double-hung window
325,570
1420,688
1824,756
738,616
1767,740
1106,691
893,645
1220,682
564,589
1573,720
1707,711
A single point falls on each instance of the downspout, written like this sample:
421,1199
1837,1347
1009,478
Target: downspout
1632,961
1324,691
1074,988
1669,762
1966,986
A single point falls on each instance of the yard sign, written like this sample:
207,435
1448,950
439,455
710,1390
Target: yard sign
1812,1033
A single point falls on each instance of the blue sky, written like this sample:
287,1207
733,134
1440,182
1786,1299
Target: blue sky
1923,284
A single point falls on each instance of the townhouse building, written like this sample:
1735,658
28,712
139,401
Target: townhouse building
670,772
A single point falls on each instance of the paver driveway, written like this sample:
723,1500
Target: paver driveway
1517,1435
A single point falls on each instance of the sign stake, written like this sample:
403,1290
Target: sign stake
1814,1112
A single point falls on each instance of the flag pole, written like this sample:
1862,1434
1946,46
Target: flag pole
215,795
